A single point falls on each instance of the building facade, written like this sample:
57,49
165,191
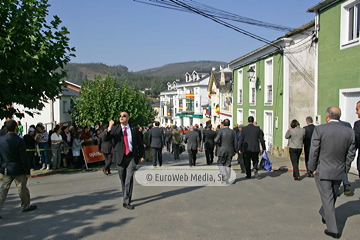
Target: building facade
275,84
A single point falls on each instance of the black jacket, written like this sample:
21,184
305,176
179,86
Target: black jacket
250,137
13,155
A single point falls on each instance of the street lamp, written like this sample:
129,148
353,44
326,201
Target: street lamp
250,73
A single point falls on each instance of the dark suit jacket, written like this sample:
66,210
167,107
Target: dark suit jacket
227,142
309,129
13,155
250,137
168,136
192,140
156,137
209,138
104,146
199,132
332,150
357,133
116,134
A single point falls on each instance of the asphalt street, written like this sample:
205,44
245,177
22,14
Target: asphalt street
88,205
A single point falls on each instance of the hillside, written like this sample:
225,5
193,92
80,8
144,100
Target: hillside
154,79
179,69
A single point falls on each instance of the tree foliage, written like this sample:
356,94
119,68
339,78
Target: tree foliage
31,49
102,100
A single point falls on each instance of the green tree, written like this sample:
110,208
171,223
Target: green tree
31,49
102,100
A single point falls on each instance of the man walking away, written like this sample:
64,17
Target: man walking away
240,155
176,141
192,140
209,142
168,139
14,166
331,153
249,146
157,142
227,148
309,129
201,129
357,136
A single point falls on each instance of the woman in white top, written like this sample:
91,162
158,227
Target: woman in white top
56,139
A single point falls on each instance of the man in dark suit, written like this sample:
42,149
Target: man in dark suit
331,153
240,155
227,147
249,146
357,136
196,129
168,139
309,129
14,166
106,148
346,182
192,140
128,151
209,142
201,129
157,142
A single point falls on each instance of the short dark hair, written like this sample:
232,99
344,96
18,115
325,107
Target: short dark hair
294,123
309,119
56,128
201,125
226,122
157,123
250,119
11,125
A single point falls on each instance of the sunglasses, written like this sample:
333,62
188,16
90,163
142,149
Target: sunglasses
124,115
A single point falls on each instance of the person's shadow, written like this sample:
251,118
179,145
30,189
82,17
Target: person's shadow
345,211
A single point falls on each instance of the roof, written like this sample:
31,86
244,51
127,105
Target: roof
320,5
300,29
216,77
70,92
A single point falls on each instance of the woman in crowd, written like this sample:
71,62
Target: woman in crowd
66,137
56,139
42,137
296,136
76,147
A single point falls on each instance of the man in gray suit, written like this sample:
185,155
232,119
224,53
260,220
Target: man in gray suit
192,139
227,147
331,153
157,142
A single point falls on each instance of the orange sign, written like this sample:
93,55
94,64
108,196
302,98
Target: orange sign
189,95
91,154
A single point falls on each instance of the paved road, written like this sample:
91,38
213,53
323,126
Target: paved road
88,205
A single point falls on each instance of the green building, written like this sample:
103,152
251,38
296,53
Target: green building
275,84
338,64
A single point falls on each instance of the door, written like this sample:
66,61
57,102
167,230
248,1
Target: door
268,129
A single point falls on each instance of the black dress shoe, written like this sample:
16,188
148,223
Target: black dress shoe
104,171
334,235
128,206
347,189
323,221
30,208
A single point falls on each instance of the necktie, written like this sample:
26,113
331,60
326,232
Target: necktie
126,142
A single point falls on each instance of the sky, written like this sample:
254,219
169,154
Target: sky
140,36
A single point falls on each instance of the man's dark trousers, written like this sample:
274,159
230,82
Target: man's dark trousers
126,171
192,157
241,161
209,153
254,156
108,161
157,156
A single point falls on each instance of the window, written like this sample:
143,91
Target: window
252,88
268,82
240,116
350,24
240,86
252,112
65,107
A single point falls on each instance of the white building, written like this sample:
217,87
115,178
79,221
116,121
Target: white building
54,112
183,102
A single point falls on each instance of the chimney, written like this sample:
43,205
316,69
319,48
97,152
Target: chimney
222,78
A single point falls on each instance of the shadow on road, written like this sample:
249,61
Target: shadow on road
59,219
163,195
346,210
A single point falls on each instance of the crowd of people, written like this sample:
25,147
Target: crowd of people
329,151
